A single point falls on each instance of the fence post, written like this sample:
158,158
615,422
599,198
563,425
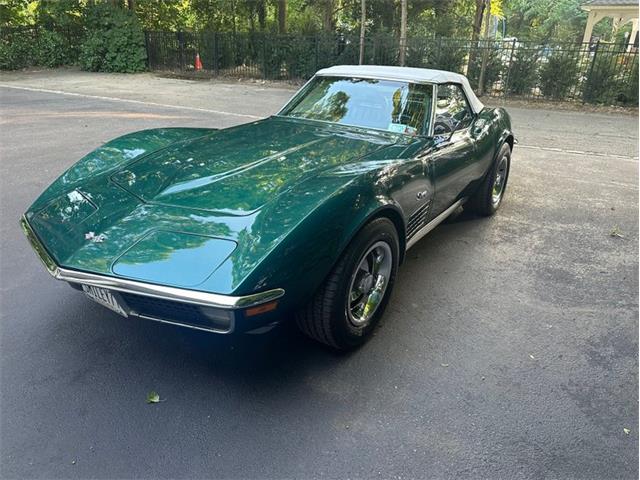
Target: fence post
146,47
589,80
264,56
317,45
374,48
181,49
506,82
215,53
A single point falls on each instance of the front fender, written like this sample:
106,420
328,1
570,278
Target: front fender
307,253
115,153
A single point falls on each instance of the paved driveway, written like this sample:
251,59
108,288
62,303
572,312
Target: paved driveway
509,349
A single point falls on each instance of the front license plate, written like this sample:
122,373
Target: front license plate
104,297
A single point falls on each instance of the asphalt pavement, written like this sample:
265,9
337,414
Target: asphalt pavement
509,349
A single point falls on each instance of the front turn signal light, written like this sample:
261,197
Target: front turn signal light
260,309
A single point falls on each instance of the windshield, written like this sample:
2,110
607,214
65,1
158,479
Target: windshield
390,105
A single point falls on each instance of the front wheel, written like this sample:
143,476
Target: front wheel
349,304
490,193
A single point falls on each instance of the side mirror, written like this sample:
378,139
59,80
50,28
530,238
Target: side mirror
478,126
465,121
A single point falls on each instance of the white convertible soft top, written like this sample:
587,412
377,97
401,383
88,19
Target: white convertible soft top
406,74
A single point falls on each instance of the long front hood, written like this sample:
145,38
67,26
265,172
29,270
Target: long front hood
202,214
238,170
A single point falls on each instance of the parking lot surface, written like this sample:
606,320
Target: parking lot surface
509,348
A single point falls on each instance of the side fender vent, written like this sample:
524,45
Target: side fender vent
417,219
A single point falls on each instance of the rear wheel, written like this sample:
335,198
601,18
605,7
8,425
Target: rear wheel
351,301
490,193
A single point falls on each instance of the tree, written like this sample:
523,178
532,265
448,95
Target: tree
327,15
481,5
485,50
282,16
403,31
363,21
544,20
261,10
58,13
15,12
159,15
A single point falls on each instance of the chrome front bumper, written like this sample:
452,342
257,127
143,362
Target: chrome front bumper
162,292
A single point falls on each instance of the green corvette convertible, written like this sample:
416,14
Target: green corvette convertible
304,214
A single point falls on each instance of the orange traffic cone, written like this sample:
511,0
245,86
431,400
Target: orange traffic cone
198,62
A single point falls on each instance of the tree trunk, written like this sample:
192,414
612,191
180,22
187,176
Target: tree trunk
262,15
131,4
485,51
327,16
233,17
282,16
403,31
363,20
475,34
477,19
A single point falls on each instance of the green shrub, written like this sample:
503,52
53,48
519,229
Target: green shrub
28,47
446,56
493,67
115,40
52,50
437,54
559,74
607,79
301,61
17,49
523,73
630,94
92,53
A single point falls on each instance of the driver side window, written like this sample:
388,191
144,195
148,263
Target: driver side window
452,110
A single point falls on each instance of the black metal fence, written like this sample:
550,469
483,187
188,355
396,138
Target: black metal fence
594,73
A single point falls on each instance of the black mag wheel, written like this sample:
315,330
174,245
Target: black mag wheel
349,304
500,181
490,193
369,283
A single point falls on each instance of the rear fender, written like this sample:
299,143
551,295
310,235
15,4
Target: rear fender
503,129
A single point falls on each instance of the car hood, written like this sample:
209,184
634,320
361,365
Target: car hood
238,170
203,212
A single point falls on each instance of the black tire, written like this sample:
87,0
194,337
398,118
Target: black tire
325,318
482,201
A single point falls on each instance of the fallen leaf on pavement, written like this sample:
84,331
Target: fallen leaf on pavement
153,397
615,232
